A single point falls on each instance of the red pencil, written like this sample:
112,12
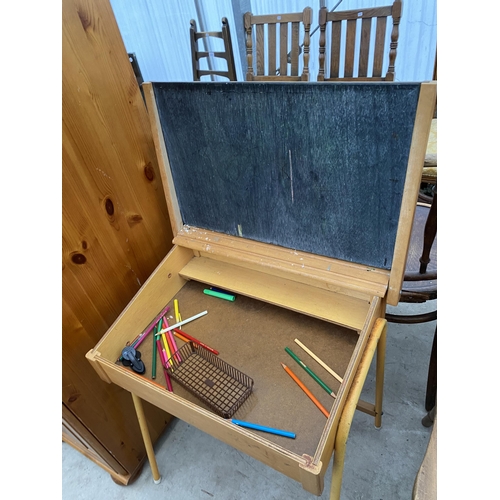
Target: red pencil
196,341
171,342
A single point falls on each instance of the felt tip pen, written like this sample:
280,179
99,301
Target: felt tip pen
219,295
219,290
258,427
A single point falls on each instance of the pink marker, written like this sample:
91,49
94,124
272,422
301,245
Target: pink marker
145,333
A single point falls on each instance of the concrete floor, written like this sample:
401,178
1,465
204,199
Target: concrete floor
380,463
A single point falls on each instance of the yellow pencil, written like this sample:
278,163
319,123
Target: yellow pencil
165,344
178,318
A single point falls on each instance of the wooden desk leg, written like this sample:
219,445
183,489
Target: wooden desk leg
146,437
377,335
379,378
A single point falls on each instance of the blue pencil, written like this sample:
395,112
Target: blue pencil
258,427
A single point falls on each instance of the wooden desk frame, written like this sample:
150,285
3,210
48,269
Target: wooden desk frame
338,292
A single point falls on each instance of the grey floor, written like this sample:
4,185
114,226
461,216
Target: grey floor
380,463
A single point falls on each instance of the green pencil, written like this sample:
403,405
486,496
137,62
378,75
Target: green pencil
310,372
153,366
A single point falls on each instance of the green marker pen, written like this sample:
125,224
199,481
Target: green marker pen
219,295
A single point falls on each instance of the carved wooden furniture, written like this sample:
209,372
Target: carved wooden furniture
420,279
228,70
283,48
360,65
285,210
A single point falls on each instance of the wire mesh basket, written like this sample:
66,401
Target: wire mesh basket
218,384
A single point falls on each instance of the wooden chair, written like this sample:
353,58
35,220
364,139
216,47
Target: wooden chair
365,71
288,47
226,55
420,279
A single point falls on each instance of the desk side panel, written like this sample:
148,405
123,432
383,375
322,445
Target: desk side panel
152,297
326,445
246,442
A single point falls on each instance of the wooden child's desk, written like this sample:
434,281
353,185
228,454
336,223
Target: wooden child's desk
299,199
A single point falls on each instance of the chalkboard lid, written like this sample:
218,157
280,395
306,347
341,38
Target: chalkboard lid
180,115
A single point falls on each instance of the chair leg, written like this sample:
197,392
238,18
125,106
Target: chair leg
430,232
428,420
430,396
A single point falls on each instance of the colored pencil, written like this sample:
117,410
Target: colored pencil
310,372
163,354
306,390
174,346
179,336
147,380
323,364
140,338
196,341
167,380
176,309
196,316
152,325
135,340
153,364
171,341
165,365
263,428
166,346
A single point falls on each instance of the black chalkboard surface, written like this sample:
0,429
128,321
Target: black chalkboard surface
317,167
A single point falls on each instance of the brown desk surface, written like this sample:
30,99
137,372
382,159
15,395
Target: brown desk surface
276,400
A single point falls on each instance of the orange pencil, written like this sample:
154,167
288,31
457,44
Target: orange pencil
306,390
178,335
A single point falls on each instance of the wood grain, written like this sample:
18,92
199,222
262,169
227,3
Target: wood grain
115,225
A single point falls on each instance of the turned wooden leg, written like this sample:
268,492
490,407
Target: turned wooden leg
430,231
379,377
146,437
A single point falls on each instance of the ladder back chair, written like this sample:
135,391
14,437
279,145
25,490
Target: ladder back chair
346,23
227,54
285,43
